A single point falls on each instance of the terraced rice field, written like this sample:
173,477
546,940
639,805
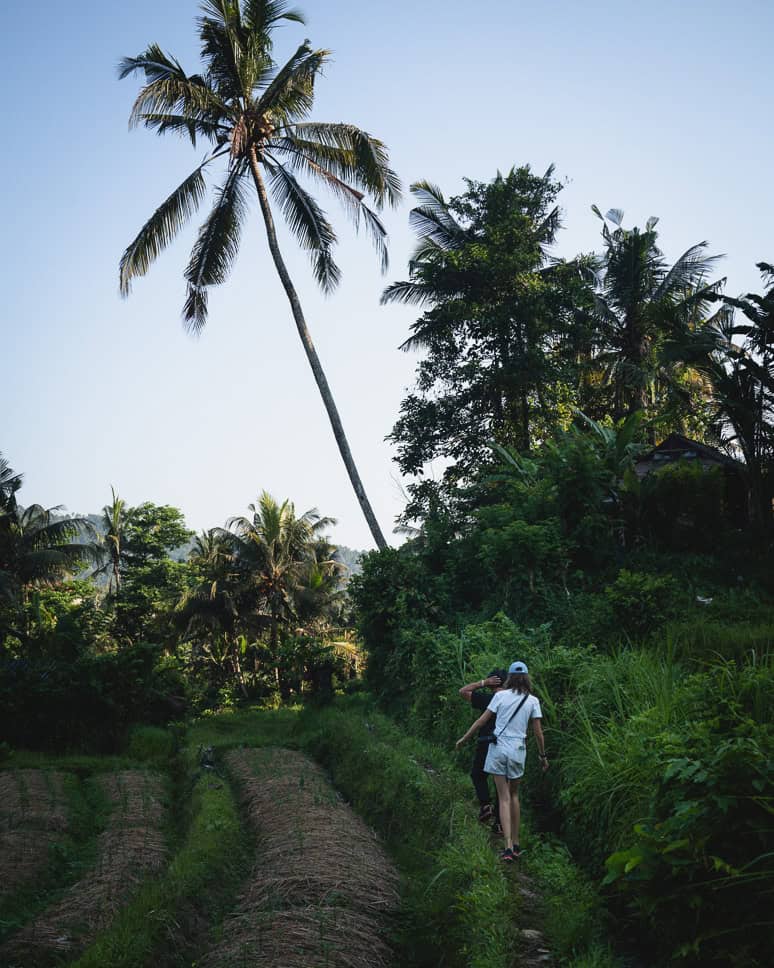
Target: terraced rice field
322,890
130,849
33,818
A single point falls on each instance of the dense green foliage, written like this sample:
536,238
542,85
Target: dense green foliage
252,612
635,582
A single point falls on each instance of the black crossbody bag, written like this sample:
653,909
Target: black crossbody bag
492,738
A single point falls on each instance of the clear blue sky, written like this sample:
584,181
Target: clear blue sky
658,108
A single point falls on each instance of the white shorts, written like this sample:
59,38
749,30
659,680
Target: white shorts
505,760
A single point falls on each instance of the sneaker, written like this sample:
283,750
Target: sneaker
497,828
507,856
486,813
517,852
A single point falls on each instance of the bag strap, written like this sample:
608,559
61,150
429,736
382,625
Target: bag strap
508,722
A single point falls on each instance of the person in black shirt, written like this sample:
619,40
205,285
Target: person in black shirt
480,700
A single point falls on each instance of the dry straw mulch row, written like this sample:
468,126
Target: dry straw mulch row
323,888
24,854
308,937
33,816
33,799
131,848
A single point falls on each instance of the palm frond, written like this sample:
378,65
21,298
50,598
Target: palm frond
351,199
433,221
181,124
350,153
308,223
290,94
162,227
688,271
170,89
261,15
10,482
153,62
223,47
408,293
216,247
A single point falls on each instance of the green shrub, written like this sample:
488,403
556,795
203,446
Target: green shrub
682,506
684,761
698,870
87,703
571,907
640,604
150,744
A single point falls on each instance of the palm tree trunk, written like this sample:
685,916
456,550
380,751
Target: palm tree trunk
314,360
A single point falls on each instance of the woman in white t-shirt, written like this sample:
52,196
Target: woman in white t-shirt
515,708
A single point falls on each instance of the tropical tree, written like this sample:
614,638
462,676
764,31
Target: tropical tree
10,482
276,550
497,311
110,544
320,594
212,603
38,548
641,302
737,357
210,612
254,115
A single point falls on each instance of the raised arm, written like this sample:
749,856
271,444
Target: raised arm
467,691
485,716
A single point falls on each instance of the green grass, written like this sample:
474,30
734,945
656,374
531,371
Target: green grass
253,726
151,745
81,764
570,908
164,919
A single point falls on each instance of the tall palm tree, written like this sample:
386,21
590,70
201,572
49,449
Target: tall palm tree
320,593
741,375
276,548
640,303
254,116
210,611
38,547
110,546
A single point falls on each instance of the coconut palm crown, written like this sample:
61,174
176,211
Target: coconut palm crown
254,116
641,302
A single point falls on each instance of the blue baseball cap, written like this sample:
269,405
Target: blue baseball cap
518,667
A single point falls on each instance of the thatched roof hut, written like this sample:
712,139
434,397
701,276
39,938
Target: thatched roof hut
676,447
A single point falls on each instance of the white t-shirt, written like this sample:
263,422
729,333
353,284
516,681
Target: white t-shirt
503,704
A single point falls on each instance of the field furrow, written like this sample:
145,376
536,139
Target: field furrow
33,816
322,889
131,848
